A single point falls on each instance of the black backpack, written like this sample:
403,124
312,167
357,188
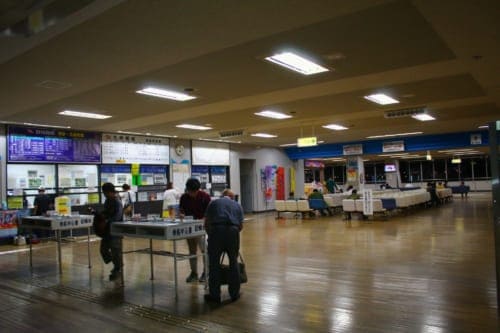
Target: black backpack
101,227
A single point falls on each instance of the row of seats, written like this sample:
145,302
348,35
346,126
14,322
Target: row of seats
356,206
299,207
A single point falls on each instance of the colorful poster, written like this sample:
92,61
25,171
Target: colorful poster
268,182
8,223
280,183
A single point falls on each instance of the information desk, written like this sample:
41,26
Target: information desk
57,224
163,230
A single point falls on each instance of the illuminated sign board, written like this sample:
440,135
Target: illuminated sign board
307,142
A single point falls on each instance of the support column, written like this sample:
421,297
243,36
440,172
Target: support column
355,172
299,178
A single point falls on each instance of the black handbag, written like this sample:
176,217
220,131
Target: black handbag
224,270
101,227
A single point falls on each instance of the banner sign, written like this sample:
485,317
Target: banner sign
353,149
29,144
393,146
367,202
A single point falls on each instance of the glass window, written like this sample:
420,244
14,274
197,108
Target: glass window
328,172
415,172
466,168
453,170
339,174
440,169
481,167
369,173
308,175
404,171
427,170
380,172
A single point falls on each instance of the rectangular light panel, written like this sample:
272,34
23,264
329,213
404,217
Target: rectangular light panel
168,94
296,63
273,114
264,135
392,135
84,114
335,127
381,99
194,127
423,117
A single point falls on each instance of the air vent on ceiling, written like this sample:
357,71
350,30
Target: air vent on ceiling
229,134
404,112
57,85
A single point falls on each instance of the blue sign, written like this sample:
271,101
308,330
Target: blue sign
116,168
153,169
29,144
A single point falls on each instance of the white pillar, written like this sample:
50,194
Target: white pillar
299,178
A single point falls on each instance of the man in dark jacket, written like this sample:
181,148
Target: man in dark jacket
223,222
194,203
111,246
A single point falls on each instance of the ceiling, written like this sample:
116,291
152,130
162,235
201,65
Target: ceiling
423,53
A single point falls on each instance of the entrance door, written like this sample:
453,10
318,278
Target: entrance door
247,184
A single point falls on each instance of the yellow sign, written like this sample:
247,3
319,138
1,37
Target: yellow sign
15,202
135,169
307,142
63,205
93,198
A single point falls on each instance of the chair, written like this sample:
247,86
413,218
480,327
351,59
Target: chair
280,206
303,207
348,206
291,206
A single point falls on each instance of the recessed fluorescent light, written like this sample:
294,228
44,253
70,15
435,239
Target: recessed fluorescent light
273,114
455,150
391,135
84,114
296,63
45,125
168,94
423,117
288,145
194,127
483,126
381,99
264,135
335,127
456,161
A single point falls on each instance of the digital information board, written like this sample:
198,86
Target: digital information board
124,148
29,144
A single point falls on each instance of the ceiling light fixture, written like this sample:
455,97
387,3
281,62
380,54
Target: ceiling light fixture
168,94
296,63
264,135
90,115
483,126
381,99
288,145
423,117
335,127
392,135
194,127
273,114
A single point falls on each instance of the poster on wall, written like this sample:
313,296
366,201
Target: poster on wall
8,223
210,153
393,146
280,183
125,148
353,149
267,178
352,169
29,144
180,174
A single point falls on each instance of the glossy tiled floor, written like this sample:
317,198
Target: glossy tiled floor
431,270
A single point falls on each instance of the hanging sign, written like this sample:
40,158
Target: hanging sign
353,149
393,146
476,139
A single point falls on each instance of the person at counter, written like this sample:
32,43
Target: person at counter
42,202
171,200
128,200
223,223
111,246
194,203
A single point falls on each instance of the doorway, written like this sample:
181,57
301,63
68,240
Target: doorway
247,182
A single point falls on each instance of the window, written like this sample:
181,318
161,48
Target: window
380,172
369,173
415,172
404,171
453,170
440,169
427,170
339,174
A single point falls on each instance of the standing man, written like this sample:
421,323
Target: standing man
223,222
331,185
128,199
111,246
42,202
194,203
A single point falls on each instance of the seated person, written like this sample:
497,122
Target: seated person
349,189
431,188
463,189
317,195
354,195
439,185
291,196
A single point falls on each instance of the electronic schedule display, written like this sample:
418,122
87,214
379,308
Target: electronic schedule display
29,144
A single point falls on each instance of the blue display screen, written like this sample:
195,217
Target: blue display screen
27,144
